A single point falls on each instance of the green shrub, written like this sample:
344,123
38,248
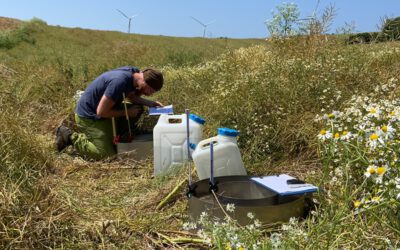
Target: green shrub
10,39
365,37
390,32
391,29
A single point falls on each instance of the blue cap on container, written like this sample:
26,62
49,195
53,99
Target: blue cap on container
228,132
197,119
192,146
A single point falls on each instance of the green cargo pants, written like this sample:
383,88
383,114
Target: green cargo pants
95,139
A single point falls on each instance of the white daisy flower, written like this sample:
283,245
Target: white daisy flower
230,207
373,111
346,135
257,223
324,135
387,131
374,140
375,199
250,215
397,181
370,170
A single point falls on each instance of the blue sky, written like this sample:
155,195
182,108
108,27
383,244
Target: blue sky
234,18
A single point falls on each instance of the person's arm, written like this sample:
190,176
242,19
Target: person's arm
139,100
105,109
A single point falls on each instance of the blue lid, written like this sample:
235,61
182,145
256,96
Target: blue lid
197,119
228,132
192,146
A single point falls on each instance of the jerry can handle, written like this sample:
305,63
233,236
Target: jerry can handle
167,118
203,143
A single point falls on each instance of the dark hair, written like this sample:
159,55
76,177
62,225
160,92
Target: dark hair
153,78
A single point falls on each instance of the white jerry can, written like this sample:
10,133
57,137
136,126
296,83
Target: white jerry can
227,157
169,139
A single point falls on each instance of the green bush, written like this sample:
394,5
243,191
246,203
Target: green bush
390,32
365,37
11,38
391,29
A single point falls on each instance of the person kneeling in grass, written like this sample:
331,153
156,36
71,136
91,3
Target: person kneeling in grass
101,101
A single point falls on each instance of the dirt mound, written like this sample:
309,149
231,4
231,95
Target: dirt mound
9,23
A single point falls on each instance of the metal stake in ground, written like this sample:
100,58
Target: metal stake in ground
191,190
127,117
213,184
188,147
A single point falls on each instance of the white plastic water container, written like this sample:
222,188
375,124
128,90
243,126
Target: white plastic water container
170,139
227,157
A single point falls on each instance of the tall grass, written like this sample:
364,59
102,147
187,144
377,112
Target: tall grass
25,198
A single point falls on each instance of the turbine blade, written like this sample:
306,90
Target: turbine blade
210,22
198,21
122,13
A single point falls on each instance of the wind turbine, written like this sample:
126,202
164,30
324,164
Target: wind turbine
204,25
129,18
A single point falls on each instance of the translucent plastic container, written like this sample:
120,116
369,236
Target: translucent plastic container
227,157
169,139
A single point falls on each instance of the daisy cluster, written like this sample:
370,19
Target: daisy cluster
226,233
364,141
290,232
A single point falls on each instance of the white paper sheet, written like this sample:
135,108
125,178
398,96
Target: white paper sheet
278,184
169,110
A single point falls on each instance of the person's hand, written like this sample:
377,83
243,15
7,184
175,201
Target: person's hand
133,111
157,104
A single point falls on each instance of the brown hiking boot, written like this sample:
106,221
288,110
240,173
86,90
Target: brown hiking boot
63,137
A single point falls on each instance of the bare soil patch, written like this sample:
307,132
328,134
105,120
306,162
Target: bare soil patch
9,23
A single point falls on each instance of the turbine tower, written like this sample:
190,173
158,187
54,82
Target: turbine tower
204,25
129,19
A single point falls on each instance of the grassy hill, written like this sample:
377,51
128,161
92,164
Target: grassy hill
53,43
295,101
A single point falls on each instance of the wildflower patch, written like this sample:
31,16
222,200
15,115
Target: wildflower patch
363,141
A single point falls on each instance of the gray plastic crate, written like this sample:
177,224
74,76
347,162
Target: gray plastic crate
141,148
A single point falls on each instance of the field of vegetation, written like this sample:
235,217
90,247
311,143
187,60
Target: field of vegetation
313,107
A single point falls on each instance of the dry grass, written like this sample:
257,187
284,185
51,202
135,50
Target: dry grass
116,202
